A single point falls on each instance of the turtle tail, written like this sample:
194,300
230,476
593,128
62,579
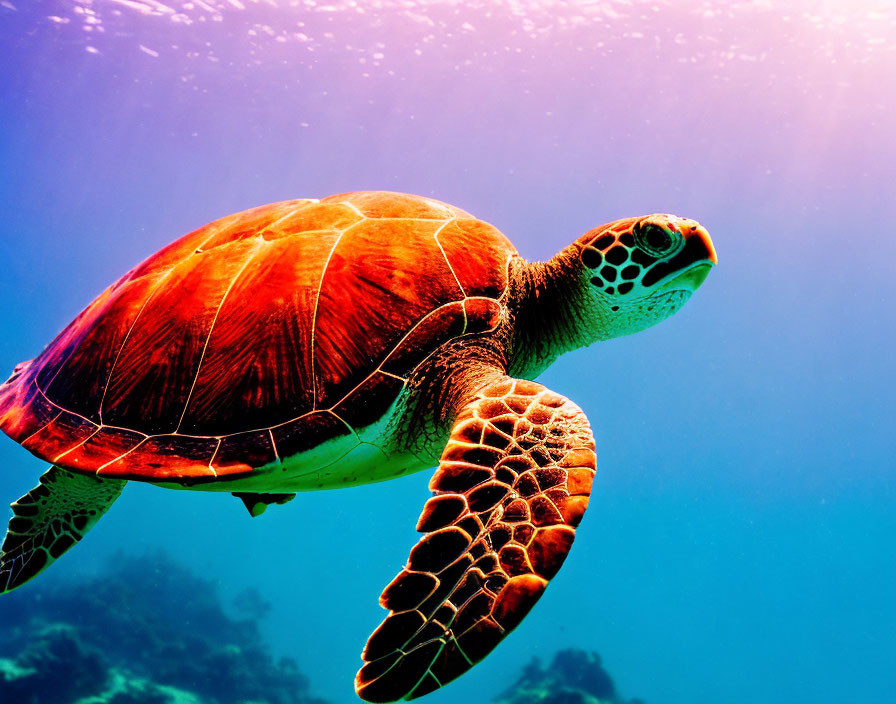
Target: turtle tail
51,518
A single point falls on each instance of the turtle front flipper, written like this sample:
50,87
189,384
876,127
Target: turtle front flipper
511,486
51,518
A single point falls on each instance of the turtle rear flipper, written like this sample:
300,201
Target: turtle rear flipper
256,504
51,518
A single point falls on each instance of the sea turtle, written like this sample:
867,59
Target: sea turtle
317,344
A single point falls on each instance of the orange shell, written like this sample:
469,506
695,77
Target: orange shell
257,337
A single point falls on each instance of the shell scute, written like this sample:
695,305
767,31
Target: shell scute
257,361
60,434
381,276
24,410
302,434
481,271
443,324
155,370
224,229
75,369
369,401
241,452
482,314
103,446
165,457
267,223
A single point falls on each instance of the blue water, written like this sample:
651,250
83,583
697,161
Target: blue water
739,546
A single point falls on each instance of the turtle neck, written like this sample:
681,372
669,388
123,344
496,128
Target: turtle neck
550,314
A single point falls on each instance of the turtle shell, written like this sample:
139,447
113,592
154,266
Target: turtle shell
258,337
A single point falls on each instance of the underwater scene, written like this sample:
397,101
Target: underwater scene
739,543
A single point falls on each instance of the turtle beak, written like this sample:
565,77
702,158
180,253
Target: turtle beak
688,268
690,280
698,248
693,230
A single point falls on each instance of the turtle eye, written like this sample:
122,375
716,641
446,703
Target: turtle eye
654,239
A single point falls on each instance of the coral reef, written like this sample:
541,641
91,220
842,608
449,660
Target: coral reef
147,631
573,677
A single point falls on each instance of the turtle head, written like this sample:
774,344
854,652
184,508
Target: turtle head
639,271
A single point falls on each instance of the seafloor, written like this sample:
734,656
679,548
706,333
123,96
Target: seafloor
149,631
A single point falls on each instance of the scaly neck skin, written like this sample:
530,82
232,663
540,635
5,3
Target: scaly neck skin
551,311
